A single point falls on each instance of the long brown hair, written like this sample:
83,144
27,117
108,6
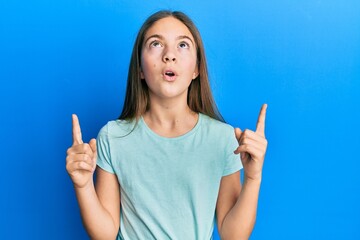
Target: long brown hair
137,100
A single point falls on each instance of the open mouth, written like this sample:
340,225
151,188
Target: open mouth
170,74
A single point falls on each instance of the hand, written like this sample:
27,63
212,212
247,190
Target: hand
252,147
81,157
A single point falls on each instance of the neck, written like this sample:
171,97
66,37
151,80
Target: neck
170,118
168,110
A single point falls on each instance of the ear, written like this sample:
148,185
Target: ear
195,74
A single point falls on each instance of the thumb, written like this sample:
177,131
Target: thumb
238,133
92,144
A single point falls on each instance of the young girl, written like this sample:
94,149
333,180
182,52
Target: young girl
168,168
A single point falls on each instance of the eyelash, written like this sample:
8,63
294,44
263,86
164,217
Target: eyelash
186,44
152,44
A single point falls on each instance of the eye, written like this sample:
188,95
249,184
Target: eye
155,44
184,45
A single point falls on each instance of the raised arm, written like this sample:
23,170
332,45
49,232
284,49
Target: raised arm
236,207
100,208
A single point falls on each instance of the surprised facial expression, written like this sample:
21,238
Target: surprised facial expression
168,59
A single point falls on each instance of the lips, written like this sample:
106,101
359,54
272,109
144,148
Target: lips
169,75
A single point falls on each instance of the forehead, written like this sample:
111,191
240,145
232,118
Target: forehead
169,27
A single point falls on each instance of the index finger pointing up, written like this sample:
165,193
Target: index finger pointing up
76,130
260,126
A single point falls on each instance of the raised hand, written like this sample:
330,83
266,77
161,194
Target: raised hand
252,147
81,157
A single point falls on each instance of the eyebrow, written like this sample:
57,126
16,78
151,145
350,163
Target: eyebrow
162,38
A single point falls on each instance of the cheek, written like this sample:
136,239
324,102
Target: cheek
145,66
190,60
191,65
148,68
148,62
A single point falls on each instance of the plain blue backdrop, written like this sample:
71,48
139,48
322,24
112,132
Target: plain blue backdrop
300,57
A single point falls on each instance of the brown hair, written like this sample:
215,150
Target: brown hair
137,99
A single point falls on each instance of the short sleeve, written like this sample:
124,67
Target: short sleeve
103,150
232,160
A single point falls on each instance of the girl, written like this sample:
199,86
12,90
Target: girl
168,168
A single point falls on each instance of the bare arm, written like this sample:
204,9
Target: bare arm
100,208
237,206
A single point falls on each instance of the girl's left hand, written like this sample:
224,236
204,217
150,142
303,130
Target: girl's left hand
252,147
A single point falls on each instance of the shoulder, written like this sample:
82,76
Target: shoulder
117,128
216,126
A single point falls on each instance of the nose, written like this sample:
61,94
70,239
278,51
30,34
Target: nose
169,56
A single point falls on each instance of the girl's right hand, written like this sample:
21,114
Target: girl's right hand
81,157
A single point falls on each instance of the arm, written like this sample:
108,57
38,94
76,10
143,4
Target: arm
236,207
100,208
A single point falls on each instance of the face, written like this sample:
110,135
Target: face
168,59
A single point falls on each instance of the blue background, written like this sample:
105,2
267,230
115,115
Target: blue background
300,57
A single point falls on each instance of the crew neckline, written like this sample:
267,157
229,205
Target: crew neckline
154,134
